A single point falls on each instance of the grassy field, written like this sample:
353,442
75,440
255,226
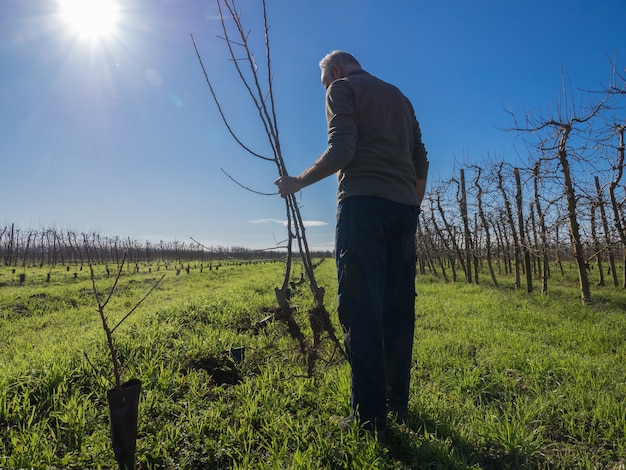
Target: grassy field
501,378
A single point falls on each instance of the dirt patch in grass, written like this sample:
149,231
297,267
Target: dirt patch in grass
222,369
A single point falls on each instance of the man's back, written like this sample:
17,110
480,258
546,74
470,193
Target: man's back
375,122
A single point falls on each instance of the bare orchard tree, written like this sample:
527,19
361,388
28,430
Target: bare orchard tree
444,242
616,205
467,233
258,83
523,230
562,139
543,231
485,224
510,224
446,229
607,245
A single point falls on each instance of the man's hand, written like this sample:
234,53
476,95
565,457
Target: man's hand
288,185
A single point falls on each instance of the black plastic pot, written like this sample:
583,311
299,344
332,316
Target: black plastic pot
123,406
238,354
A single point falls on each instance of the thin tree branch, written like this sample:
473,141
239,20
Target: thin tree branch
245,187
220,110
154,286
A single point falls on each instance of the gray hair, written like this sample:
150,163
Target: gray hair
341,58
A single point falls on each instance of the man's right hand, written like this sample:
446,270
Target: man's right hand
288,185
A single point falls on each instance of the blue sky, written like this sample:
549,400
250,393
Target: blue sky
119,134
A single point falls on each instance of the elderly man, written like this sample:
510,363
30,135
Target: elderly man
375,147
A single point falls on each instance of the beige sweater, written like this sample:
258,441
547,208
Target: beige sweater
374,139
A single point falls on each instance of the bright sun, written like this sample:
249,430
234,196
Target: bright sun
90,19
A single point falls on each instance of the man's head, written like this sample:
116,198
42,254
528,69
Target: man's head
337,65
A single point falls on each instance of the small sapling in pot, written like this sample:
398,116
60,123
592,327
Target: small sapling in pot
123,397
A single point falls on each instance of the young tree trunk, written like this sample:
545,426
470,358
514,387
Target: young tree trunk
535,260
596,246
452,238
617,217
505,244
485,225
427,251
438,253
509,219
466,229
499,245
607,234
25,255
422,250
557,249
8,259
444,241
543,232
522,230
572,217
476,259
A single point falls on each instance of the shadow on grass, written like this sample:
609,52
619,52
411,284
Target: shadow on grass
422,443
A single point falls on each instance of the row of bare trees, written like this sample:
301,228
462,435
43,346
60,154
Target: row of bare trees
51,247
567,202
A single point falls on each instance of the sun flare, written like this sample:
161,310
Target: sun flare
90,19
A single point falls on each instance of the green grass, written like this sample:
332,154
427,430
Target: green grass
501,378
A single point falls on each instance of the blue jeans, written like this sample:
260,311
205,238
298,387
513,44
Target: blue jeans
375,255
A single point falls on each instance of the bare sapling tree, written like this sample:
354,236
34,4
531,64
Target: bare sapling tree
123,397
502,239
259,87
431,245
451,236
102,301
443,242
485,224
